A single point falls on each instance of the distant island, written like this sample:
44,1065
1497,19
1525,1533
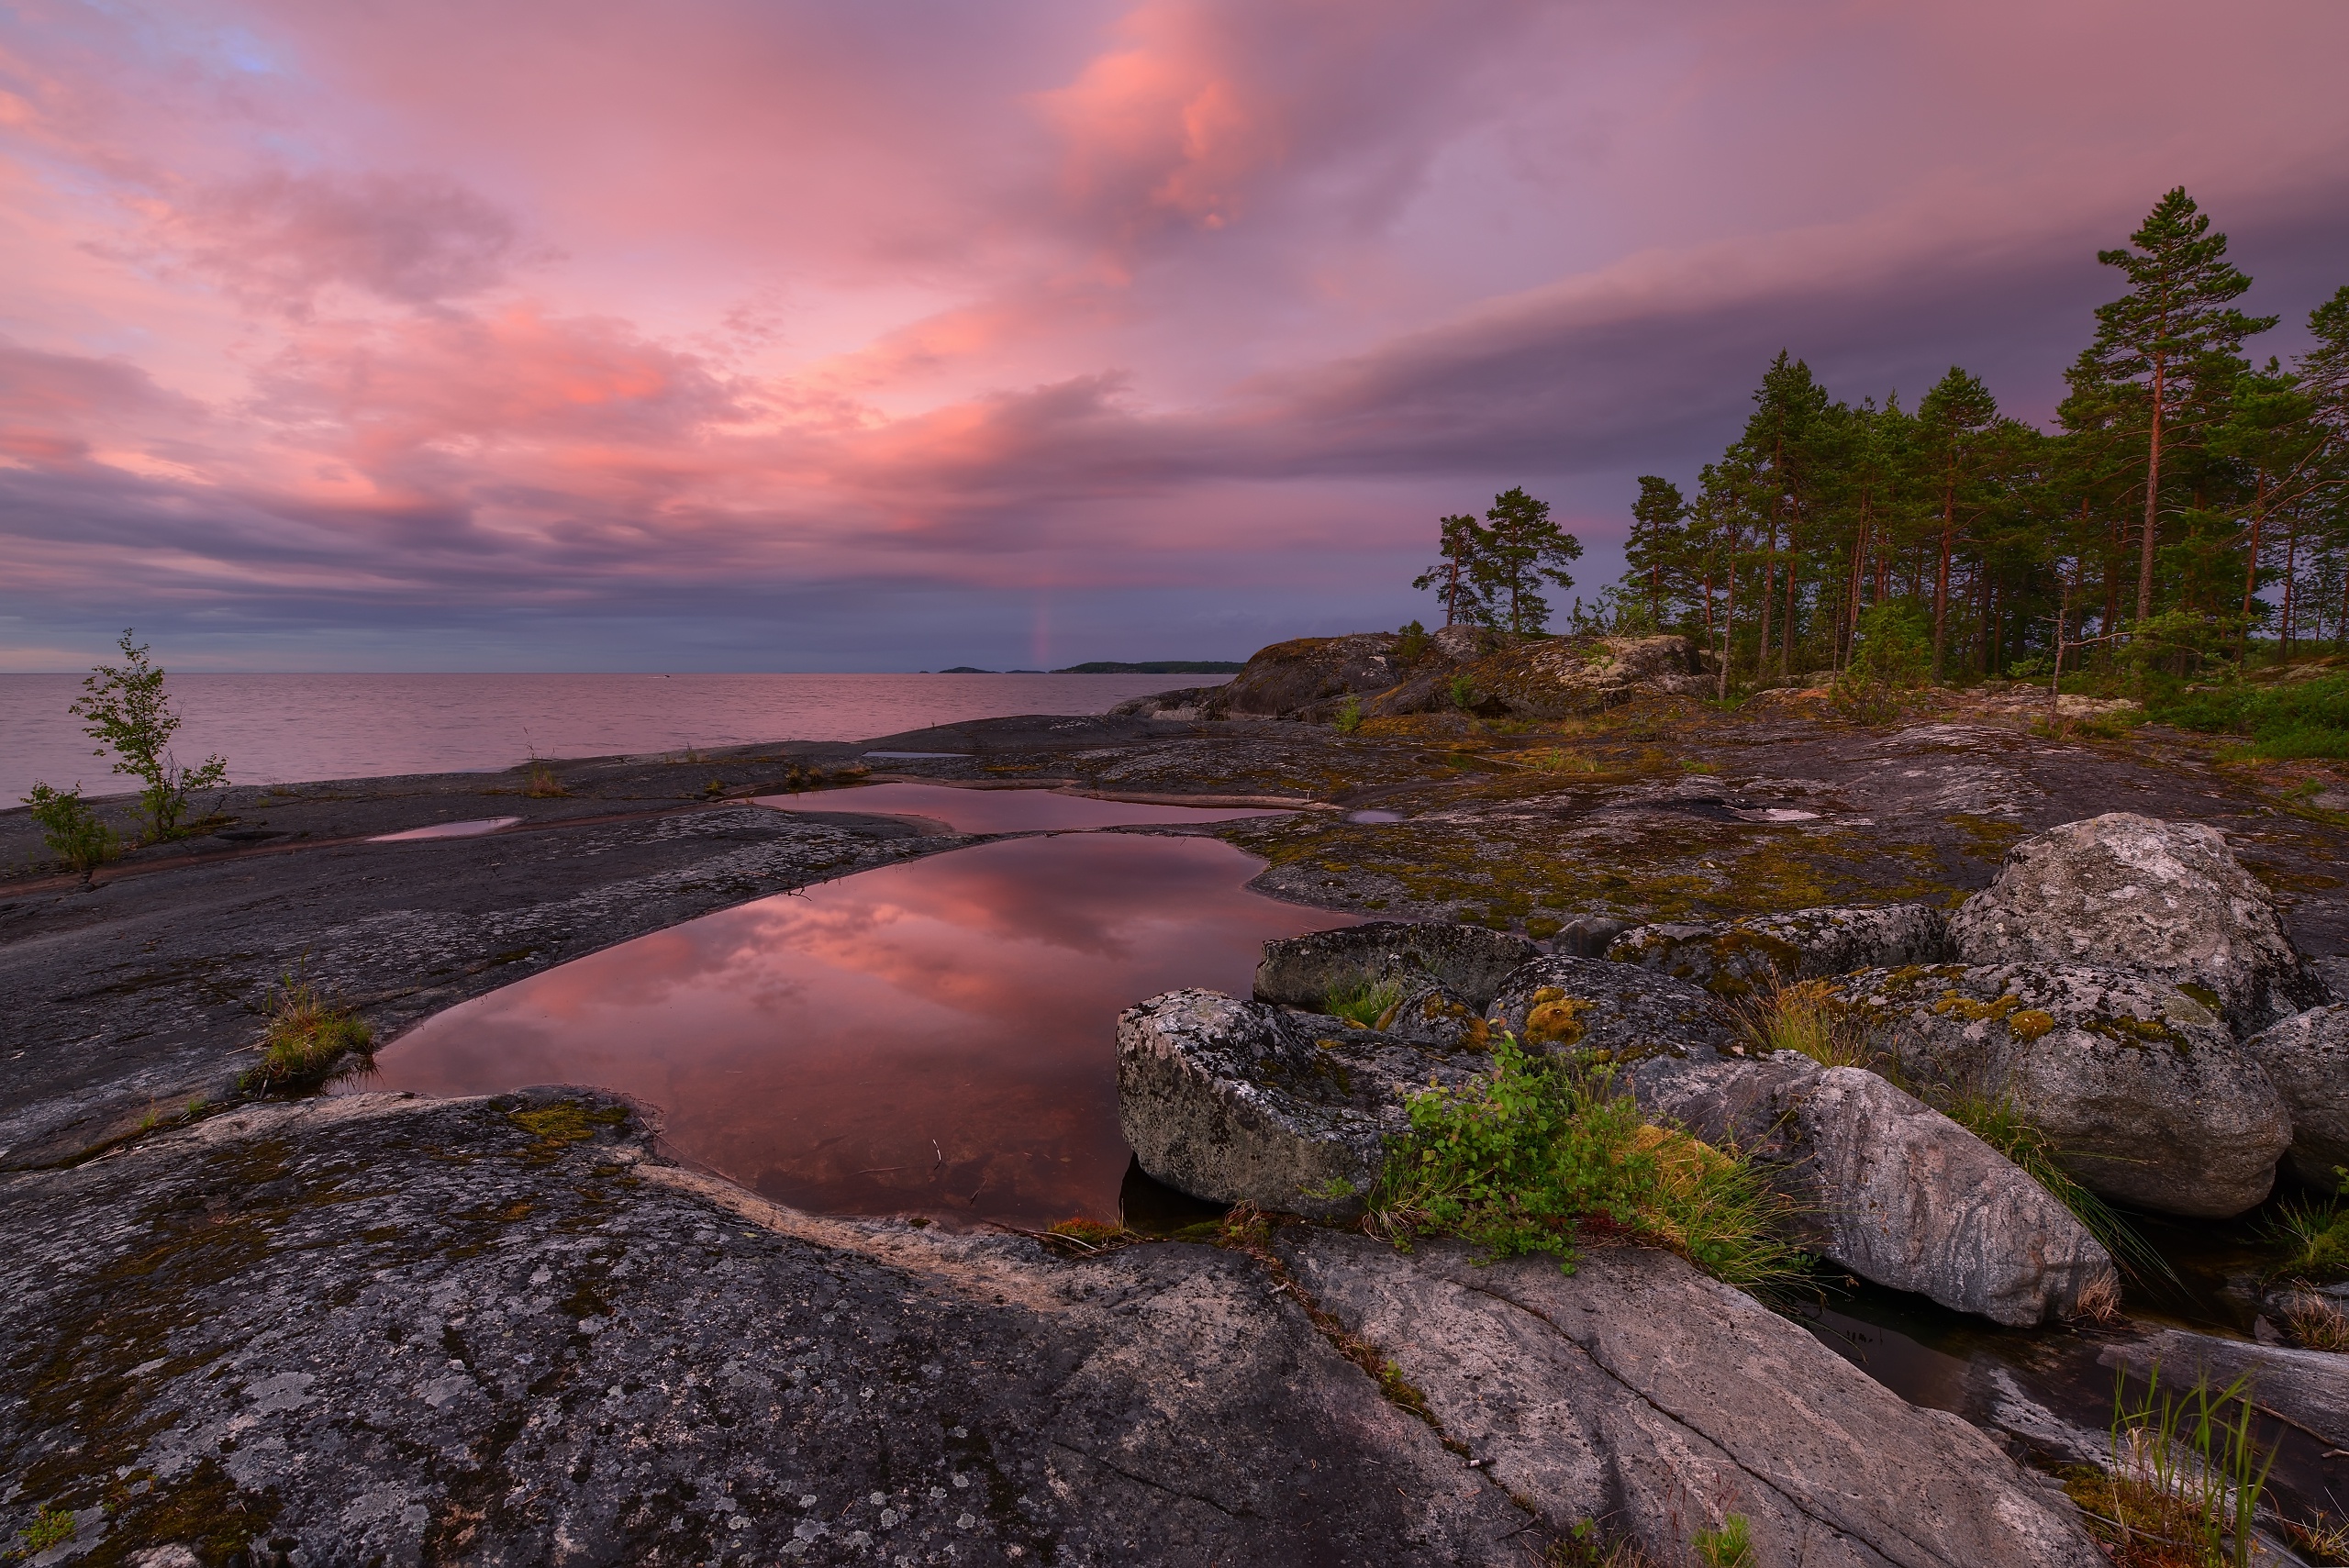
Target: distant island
1107,667
1158,667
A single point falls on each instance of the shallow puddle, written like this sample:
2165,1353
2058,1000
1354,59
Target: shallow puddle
936,1036
1004,810
465,829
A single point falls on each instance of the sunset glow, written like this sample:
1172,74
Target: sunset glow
745,335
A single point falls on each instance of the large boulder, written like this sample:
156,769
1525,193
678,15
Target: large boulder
1288,676
2306,1057
1888,1187
1238,1102
1555,677
1611,1012
1731,958
2142,1089
2129,892
1638,1392
1302,971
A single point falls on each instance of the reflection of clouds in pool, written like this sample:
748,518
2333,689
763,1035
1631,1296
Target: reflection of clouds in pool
465,830
814,1045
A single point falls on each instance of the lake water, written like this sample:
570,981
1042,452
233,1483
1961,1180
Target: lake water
278,728
938,1037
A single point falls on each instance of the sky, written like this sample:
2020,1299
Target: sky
767,335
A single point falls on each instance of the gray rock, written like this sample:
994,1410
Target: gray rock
1301,971
1238,1101
2128,891
2306,1057
1734,956
1888,1187
392,1331
1639,1393
2309,1388
1429,1012
1560,1004
2146,1097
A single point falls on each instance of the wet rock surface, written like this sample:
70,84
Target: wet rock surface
2306,1057
378,1330
1639,1392
2143,1090
1237,1101
1888,1187
2167,899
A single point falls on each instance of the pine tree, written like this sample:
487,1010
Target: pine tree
1657,540
2168,334
1461,545
1523,549
1954,419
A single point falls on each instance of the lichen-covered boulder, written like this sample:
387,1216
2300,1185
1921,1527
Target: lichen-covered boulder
1288,676
1428,1012
1302,971
1239,1102
2306,1057
1554,677
1614,1012
2144,1092
1888,1187
2129,892
1731,958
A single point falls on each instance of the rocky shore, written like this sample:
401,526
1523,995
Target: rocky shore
514,1330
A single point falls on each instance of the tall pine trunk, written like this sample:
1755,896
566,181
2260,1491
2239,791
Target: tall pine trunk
2152,499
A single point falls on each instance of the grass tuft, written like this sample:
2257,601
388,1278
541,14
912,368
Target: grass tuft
1365,1002
2318,1232
1527,1158
1805,1018
2183,1486
540,783
2315,1324
311,1041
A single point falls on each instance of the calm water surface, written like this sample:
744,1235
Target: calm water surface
280,729
1000,810
936,1036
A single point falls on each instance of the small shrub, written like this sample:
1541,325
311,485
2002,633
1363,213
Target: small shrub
2296,718
1462,690
71,829
1586,1546
1411,644
2317,1234
1806,1018
1348,715
309,1042
1521,1159
1892,658
125,708
1729,1546
1365,1002
540,783
50,1527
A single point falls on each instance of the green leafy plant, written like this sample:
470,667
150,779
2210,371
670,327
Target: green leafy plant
2318,1233
1348,715
1411,644
2296,719
1365,1001
2185,1479
310,1040
71,829
1729,1546
125,708
1462,690
1525,1158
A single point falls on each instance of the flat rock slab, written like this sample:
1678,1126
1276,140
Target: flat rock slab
151,989
1617,1011
1640,1394
399,1332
